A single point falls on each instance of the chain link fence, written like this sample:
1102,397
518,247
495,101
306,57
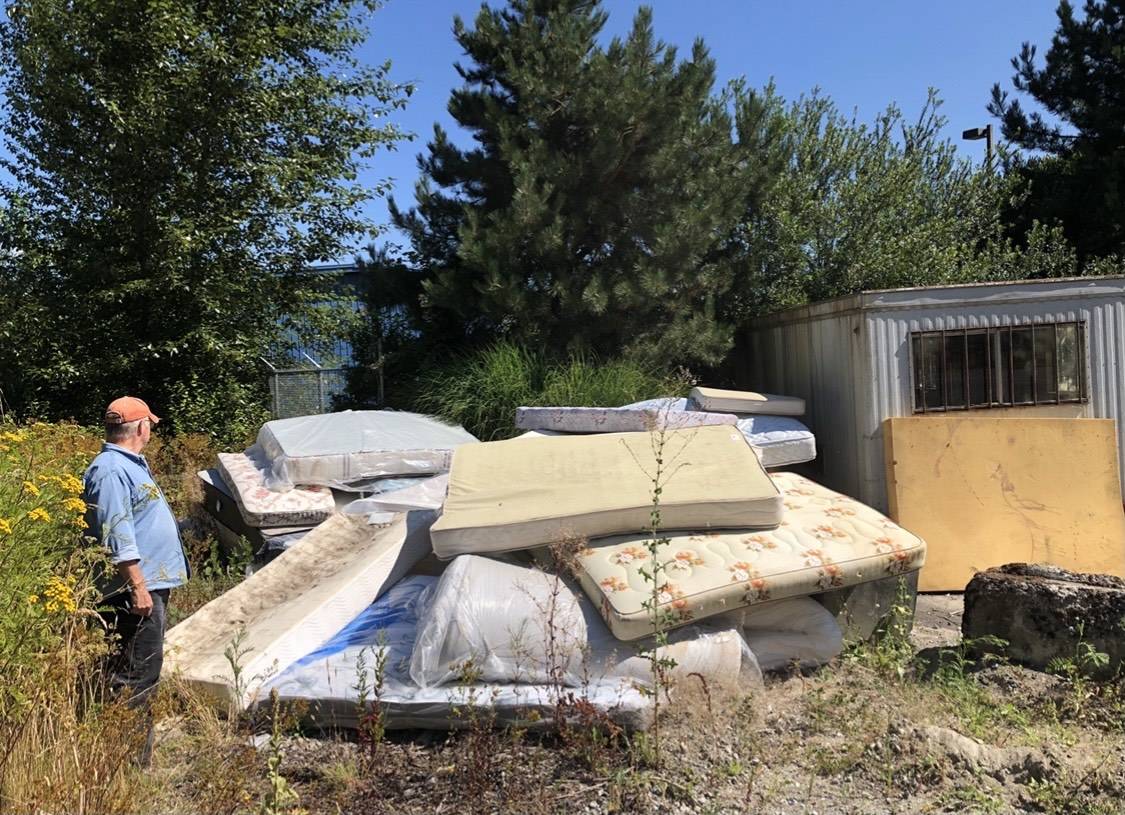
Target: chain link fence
304,391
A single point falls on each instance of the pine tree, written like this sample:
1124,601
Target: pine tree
597,207
1076,166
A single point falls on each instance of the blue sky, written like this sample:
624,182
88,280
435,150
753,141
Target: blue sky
863,54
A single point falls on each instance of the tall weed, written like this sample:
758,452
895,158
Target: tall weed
481,391
62,749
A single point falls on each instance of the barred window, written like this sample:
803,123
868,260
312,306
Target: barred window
1041,364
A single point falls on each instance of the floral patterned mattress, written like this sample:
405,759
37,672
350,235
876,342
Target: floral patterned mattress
615,420
301,506
825,541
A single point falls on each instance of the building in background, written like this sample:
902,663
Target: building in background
1029,348
303,380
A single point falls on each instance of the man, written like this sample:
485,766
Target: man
128,515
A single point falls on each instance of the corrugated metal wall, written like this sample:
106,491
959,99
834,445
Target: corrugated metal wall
817,358
851,361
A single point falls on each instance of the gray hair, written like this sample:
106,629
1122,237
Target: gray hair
120,432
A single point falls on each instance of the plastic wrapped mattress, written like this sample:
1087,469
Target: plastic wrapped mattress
327,679
529,492
336,449
826,541
615,679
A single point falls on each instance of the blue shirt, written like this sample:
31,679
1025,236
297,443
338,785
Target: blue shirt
129,516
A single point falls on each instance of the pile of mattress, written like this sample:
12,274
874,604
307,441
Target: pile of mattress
304,470
519,578
730,535
768,421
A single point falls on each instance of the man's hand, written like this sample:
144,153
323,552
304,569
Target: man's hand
130,572
142,601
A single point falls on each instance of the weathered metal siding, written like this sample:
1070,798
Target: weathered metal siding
890,317
850,360
816,358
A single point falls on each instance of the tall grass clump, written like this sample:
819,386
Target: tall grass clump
482,390
62,747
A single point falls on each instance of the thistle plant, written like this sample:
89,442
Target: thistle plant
658,603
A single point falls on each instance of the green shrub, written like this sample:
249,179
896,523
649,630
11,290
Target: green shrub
229,411
481,391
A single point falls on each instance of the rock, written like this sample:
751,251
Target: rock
1019,763
1044,611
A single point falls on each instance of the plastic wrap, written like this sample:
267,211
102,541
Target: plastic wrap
428,494
615,420
799,631
335,449
327,679
510,623
664,403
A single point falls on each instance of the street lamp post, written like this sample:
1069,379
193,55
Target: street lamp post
976,133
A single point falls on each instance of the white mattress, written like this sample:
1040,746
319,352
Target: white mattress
726,401
294,605
615,420
780,441
259,506
335,449
523,493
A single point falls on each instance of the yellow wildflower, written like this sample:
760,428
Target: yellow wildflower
5,526
30,488
80,522
39,514
60,595
74,505
33,599
71,484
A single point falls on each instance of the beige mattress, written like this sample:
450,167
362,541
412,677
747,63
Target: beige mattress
293,605
529,492
259,506
826,541
747,402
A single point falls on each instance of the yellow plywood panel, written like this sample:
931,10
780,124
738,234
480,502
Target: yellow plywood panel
985,491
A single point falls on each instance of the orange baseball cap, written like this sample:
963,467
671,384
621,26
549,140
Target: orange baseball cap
128,409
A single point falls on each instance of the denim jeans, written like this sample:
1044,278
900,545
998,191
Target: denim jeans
137,654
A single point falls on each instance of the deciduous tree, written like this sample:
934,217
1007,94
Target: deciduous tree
175,168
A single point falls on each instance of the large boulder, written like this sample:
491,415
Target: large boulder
1045,612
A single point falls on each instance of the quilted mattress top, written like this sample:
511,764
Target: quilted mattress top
826,541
